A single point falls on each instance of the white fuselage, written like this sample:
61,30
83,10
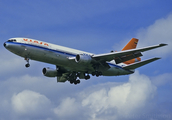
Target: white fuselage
59,56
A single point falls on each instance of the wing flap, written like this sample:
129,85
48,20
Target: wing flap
139,64
113,55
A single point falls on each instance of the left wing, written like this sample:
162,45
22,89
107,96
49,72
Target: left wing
139,64
124,55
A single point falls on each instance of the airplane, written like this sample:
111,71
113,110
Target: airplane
72,65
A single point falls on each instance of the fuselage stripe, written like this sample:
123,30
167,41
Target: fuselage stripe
110,64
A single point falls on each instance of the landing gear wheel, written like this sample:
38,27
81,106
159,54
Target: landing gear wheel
75,83
78,81
71,82
100,73
87,77
97,73
27,65
93,73
73,78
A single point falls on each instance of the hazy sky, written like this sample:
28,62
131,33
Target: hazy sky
96,26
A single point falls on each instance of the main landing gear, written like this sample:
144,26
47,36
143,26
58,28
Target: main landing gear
75,82
97,73
27,65
73,78
87,76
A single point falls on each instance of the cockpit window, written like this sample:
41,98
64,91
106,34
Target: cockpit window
12,40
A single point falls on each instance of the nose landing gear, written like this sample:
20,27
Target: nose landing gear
27,65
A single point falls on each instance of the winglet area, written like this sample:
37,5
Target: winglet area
162,44
139,64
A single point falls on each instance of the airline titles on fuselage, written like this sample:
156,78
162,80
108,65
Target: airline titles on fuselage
36,42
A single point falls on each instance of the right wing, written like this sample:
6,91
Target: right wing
123,56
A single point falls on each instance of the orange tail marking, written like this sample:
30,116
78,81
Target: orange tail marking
132,44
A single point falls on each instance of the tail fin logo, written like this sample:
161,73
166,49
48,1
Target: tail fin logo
136,42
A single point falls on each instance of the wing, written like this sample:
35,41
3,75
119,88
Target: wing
123,56
139,64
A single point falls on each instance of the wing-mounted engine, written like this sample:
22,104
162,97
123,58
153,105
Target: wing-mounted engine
83,59
48,72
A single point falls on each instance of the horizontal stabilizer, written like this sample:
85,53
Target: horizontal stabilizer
139,64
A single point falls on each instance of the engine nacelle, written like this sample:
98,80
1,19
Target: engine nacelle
49,72
81,58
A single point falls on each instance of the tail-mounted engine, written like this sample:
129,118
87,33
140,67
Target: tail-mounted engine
48,72
84,59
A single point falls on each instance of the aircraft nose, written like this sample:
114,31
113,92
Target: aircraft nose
5,45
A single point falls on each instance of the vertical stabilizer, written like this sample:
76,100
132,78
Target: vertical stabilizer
132,44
